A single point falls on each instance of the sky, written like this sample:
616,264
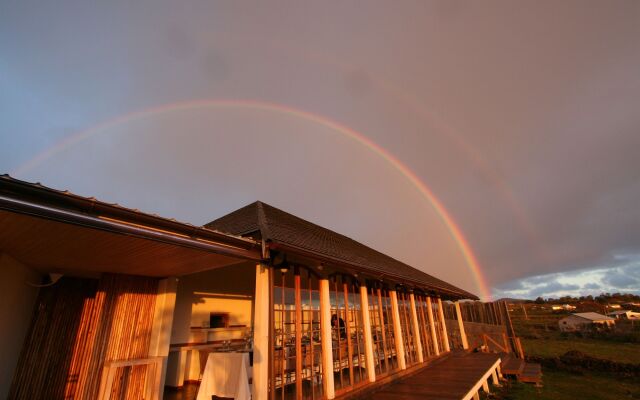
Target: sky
516,121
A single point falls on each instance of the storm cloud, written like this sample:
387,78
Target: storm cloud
621,278
521,118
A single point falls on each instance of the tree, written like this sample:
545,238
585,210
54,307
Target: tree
539,300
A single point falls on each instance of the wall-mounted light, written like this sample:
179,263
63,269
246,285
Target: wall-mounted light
284,267
53,279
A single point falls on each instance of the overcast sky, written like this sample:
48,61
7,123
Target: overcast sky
521,117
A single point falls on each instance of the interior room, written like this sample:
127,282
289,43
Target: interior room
213,315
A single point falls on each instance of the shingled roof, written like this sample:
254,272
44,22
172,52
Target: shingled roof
279,227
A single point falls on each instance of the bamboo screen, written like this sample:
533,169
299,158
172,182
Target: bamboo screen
296,322
384,348
483,313
404,311
347,335
78,325
428,350
438,324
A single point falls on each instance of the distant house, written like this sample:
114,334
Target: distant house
581,321
564,307
625,314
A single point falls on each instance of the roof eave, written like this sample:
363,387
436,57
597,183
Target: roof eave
37,200
368,270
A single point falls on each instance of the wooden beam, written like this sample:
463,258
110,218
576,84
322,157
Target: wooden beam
445,335
397,330
463,334
261,317
368,338
432,327
327,351
416,328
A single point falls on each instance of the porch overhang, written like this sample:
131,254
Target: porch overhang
55,231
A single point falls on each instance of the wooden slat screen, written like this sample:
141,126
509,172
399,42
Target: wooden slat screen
78,325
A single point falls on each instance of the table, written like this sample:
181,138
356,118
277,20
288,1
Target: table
225,375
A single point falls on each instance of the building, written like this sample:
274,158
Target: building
624,314
107,300
583,321
563,307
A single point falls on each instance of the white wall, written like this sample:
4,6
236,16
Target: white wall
17,301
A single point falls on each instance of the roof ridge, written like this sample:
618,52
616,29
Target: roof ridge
262,219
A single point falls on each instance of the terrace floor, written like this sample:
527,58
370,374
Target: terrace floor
456,377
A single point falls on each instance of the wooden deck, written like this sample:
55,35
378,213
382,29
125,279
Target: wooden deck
457,377
521,370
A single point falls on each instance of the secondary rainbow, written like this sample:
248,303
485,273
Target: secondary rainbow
424,190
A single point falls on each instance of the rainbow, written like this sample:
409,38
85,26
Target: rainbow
422,188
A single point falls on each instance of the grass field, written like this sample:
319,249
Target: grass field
565,386
608,350
540,337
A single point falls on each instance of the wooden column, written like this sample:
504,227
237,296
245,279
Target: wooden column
397,330
327,341
368,337
432,327
298,325
161,329
416,328
445,335
261,317
463,335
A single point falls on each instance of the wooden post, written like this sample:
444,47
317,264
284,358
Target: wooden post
261,317
524,311
463,335
368,337
494,377
416,328
509,325
298,338
397,330
347,314
327,341
432,327
161,331
485,386
445,335
520,350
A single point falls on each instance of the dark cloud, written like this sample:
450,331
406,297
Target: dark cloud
592,286
624,277
619,278
522,121
552,289
512,285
